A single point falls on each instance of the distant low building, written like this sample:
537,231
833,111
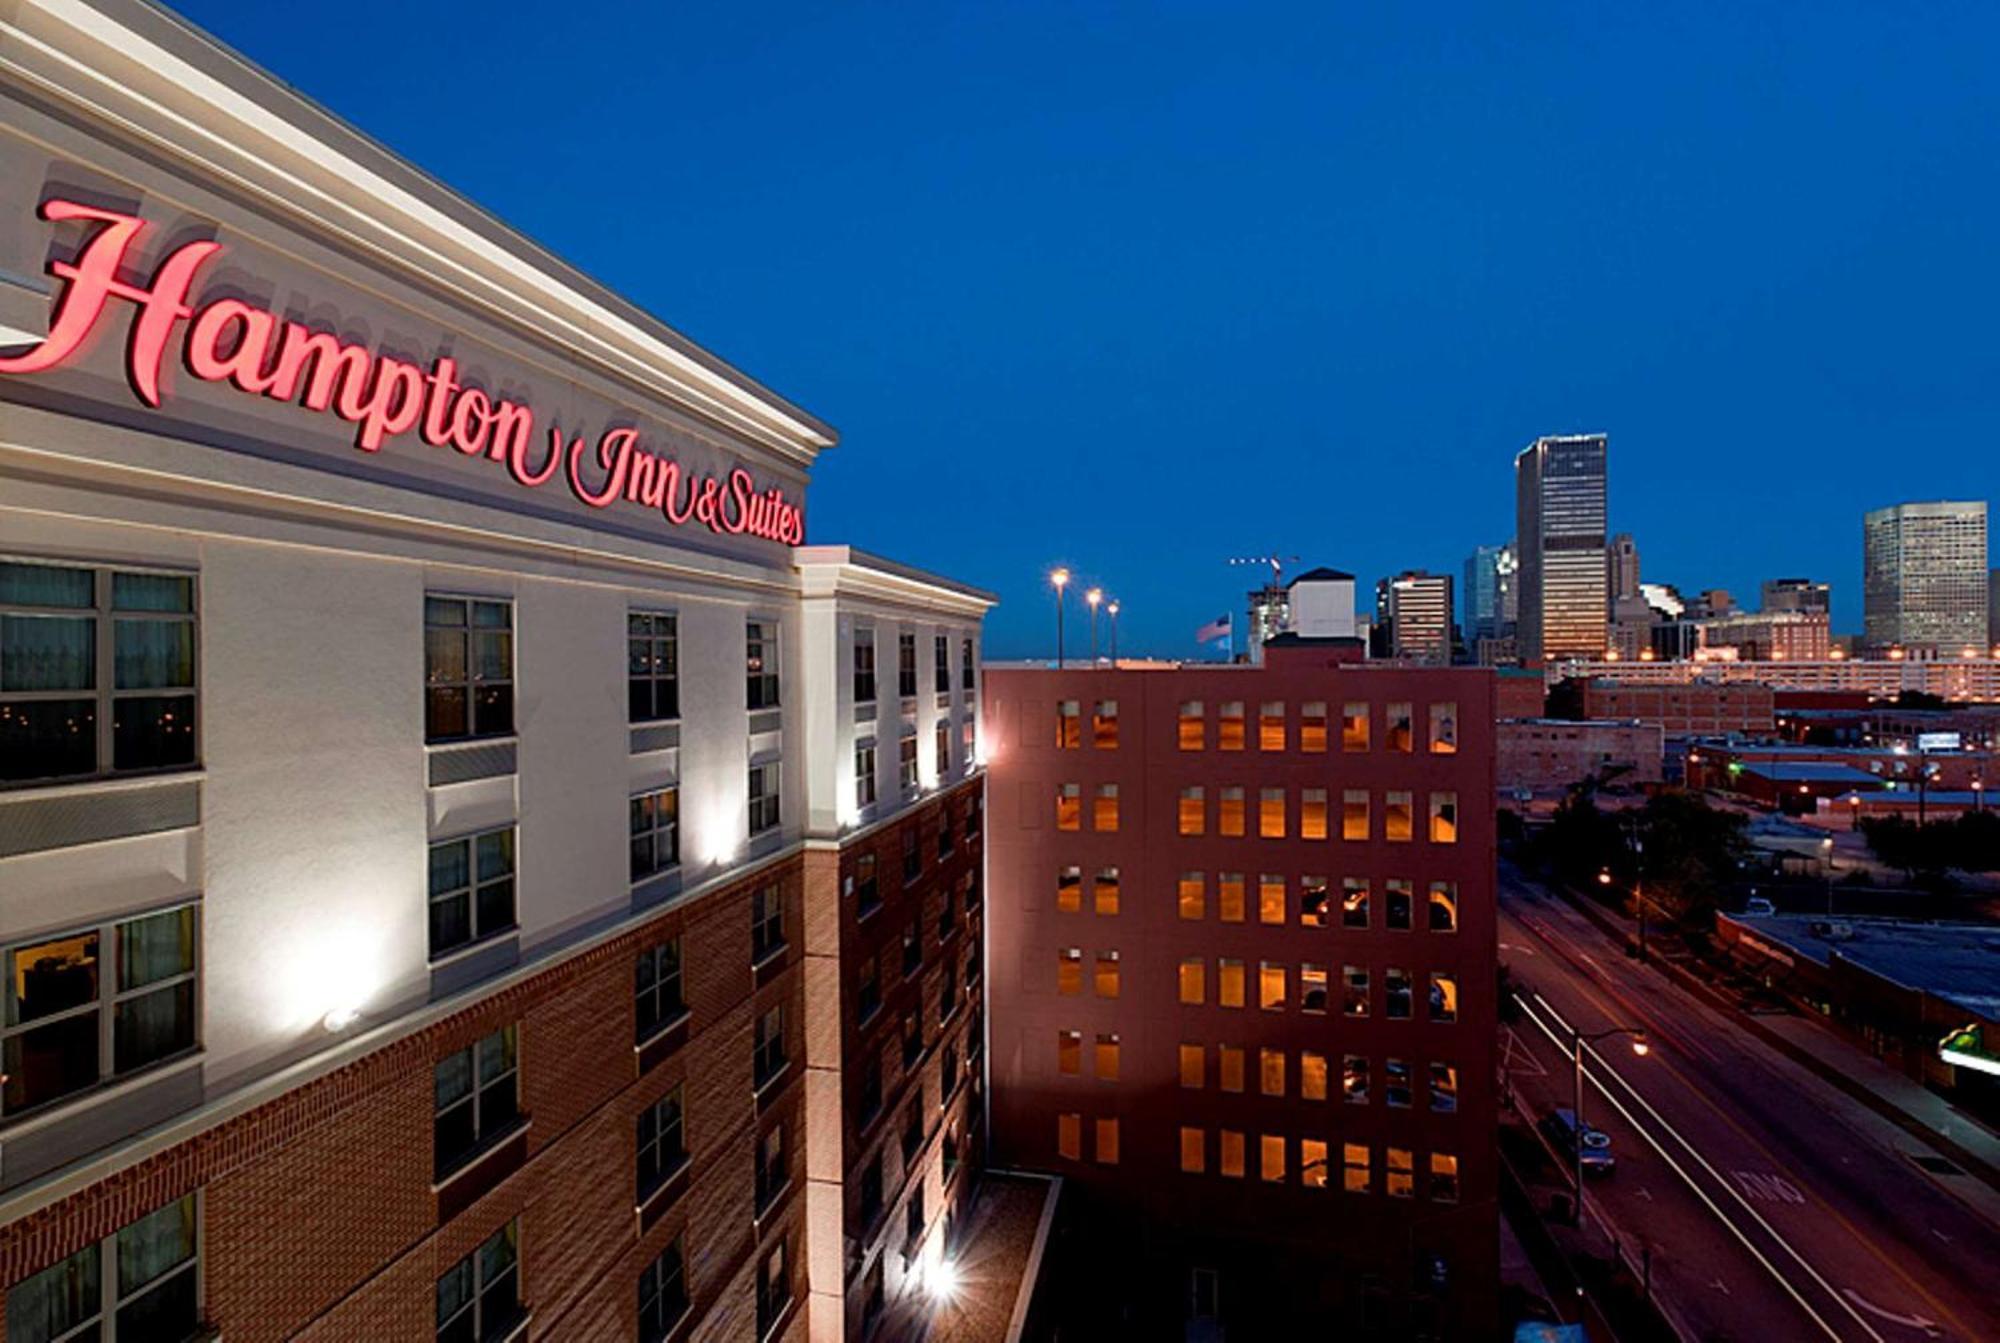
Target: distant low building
1694,709
1543,754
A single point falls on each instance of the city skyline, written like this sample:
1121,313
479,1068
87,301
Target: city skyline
1264,255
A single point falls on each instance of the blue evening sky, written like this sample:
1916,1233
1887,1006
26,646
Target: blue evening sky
1141,288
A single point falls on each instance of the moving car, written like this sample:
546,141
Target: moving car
1561,1128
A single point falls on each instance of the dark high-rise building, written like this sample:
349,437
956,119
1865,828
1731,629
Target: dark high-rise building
1560,509
1242,944
1492,593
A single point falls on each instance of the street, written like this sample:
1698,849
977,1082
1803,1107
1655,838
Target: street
1774,1206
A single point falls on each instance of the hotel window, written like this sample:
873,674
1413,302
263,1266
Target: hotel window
767,1058
479,1297
1104,891
906,766
1354,902
1444,997
913,943
1069,1053
1069,971
1354,813
1312,1075
1444,1178
1271,986
1354,991
1193,817
1193,895
1354,1167
1402,1177
1193,981
1354,1079
1229,726
1270,1072
760,664
1104,808
1229,1066
1354,726
477,1100
1444,1087
965,665
1444,907
1312,989
1105,982
1230,896
1312,727
663,1295
767,923
471,889
1270,898
968,744
656,832
1271,1158
864,666
864,774
1313,910
941,746
1271,813
1312,1163
1106,1058
913,1039
1069,806
906,665
1232,1154
1069,725
1192,726
1069,1136
1396,899
130,986
868,989
1107,1142
941,668
1397,734
662,1142
1104,725
151,1267
774,1288
1397,1092
1069,888
652,667
1231,983
1194,1066
1444,818
763,788
1444,728
1194,1150
1396,994
867,886
656,989
1312,813
1271,726
1399,822
468,668
1229,812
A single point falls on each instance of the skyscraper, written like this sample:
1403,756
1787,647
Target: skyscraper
1492,593
1621,560
1559,504
1924,576
1415,607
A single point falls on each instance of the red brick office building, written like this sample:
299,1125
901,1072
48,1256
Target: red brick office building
1241,927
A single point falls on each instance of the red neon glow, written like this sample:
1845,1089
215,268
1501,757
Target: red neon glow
229,340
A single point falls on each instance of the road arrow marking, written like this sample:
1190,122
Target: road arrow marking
1645,1193
1718,1286
1929,1327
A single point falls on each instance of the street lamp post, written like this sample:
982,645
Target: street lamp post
1061,580
1826,865
1113,609
1093,597
1578,1040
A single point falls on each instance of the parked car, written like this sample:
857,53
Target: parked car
1757,904
1595,1144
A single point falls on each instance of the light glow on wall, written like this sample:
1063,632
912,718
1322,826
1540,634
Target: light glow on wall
329,977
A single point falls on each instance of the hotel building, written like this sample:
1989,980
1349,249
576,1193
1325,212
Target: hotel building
1242,988
469,871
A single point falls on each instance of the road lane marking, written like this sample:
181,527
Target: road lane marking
1929,1327
1768,1187
1941,1235
1722,1287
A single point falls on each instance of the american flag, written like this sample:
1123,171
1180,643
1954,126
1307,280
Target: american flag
1215,629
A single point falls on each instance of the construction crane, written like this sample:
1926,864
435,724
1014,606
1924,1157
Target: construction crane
1277,563
1270,611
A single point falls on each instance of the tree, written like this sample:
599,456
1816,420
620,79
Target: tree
1692,853
1582,841
1904,845
1565,700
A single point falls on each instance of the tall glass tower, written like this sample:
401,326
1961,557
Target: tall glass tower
1923,579
1559,511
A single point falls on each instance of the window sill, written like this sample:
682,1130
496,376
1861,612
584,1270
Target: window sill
657,1193
775,953
460,743
769,1204
663,1030
65,1109
463,950
671,869
769,1085
123,782
470,1161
